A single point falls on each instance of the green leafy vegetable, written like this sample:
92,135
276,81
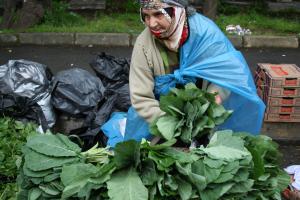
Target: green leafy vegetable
190,113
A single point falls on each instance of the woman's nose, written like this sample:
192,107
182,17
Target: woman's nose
152,22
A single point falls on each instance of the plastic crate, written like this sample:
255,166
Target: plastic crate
277,75
277,117
283,109
282,101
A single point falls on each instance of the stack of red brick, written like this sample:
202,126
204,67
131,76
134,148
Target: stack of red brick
279,87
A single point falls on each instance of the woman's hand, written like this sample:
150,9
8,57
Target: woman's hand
218,99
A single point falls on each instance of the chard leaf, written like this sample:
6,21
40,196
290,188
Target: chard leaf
85,191
77,173
186,134
190,112
166,126
36,174
153,128
161,146
34,194
149,175
52,145
223,117
213,163
103,174
71,145
198,181
184,189
216,110
51,177
204,108
199,125
76,176
242,187
176,110
231,166
170,182
162,162
126,185
216,192
168,103
39,162
224,177
127,154
225,153
225,138
50,190
283,180
242,175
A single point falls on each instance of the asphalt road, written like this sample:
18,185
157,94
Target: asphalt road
58,58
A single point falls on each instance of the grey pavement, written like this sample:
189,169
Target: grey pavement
64,57
124,39
58,58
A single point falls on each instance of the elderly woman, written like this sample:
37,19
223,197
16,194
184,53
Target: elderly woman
180,46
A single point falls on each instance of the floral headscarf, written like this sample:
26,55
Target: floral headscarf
177,33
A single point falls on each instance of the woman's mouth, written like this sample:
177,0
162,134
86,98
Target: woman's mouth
157,31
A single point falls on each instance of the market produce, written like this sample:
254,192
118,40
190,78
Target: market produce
190,113
226,168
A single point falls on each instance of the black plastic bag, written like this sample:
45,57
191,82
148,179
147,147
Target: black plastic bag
25,92
114,72
123,101
76,91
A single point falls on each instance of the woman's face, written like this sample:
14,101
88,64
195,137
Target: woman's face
156,21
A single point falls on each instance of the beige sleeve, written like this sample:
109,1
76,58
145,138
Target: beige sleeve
141,83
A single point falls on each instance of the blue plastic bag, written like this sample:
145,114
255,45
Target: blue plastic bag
136,127
112,128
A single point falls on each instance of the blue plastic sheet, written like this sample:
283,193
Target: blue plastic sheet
208,54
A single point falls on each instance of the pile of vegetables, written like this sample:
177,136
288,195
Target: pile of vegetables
190,114
230,167
12,137
233,166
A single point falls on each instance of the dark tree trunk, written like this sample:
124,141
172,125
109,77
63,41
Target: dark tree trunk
21,14
210,8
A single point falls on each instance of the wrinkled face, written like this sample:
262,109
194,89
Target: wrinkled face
156,21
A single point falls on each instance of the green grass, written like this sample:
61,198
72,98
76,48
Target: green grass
260,24
130,23
113,23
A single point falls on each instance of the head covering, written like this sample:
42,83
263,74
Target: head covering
173,37
156,4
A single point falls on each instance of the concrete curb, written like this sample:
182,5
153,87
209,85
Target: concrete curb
271,41
124,39
46,38
103,39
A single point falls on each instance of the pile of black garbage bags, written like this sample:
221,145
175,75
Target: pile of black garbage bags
74,101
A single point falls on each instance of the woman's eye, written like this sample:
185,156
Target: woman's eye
158,15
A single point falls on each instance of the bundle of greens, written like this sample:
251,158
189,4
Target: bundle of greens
270,180
12,137
190,113
54,168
